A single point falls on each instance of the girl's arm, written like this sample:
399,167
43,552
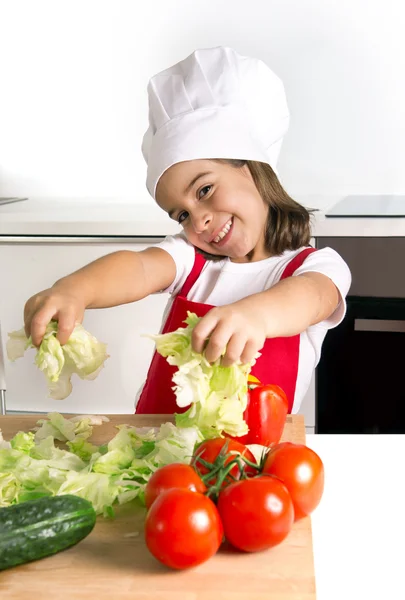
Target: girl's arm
286,309
294,304
118,278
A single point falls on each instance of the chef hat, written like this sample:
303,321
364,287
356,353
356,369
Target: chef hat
214,104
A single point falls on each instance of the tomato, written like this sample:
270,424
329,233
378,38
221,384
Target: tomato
301,469
210,449
256,513
265,415
183,528
175,475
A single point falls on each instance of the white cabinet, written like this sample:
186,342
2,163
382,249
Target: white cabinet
28,267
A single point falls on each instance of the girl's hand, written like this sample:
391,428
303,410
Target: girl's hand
233,326
286,309
54,303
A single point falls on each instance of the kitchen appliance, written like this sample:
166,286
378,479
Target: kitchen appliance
368,205
359,378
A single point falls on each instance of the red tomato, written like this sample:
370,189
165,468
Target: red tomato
183,528
176,475
301,469
209,450
256,513
265,415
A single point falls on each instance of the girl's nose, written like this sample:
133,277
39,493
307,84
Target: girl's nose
201,221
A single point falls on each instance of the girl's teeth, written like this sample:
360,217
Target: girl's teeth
223,233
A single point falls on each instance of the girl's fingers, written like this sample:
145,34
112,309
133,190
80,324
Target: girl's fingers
222,332
218,341
29,311
36,323
37,326
66,324
27,323
250,351
202,331
234,349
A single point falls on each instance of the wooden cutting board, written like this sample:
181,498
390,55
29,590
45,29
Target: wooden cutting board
113,563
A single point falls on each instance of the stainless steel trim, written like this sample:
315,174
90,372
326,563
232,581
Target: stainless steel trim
379,325
3,410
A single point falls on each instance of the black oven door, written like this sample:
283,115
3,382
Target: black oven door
360,377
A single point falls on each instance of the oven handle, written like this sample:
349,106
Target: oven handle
384,325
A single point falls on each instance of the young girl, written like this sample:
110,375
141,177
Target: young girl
243,261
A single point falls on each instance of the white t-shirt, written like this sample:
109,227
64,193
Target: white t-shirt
223,282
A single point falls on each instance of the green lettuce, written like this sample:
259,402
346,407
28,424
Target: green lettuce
217,395
83,354
3,443
31,465
23,441
8,489
56,426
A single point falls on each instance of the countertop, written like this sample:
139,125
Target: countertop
357,531
114,563
116,218
85,217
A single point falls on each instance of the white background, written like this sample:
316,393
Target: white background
73,105
359,526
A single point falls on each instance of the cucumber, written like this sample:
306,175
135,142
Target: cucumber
39,528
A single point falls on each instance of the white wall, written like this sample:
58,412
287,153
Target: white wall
73,78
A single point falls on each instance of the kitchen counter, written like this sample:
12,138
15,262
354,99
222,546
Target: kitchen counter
357,531
113,563
109,217
85,217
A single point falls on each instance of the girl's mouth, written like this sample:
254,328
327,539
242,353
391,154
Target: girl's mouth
224,235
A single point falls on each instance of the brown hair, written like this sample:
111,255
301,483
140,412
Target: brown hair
288,223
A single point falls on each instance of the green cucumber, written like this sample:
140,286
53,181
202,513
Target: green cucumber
39,528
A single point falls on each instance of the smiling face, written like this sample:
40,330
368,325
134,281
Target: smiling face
218,206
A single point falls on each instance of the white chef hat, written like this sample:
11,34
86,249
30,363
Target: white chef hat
214,104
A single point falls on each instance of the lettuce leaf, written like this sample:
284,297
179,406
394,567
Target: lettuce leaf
31,465
3,443
83,355
8,489
62,429
217,395
23,441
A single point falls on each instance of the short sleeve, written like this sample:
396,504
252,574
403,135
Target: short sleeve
183,255
328,262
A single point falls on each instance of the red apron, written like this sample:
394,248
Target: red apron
278,363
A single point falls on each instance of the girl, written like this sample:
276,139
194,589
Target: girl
243,261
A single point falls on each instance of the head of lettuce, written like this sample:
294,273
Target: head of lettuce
83,354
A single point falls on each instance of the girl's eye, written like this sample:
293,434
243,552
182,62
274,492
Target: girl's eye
204,191
182,216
